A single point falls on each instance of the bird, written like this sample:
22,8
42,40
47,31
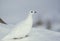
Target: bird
22,29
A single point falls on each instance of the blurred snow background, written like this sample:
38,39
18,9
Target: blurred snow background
14,11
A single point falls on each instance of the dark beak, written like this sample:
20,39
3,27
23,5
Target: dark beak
35,12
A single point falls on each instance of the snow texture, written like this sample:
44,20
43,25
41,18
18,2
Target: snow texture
37,34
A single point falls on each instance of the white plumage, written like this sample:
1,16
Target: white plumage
21,29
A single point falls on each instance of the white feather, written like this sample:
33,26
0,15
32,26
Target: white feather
21,29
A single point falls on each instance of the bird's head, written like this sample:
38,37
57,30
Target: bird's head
32,12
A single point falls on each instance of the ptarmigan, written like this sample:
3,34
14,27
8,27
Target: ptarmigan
22,29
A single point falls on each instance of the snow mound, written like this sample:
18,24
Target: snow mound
40,34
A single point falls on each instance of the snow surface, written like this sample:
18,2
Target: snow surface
37,34
56,27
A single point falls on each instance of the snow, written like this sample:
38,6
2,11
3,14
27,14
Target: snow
38,33
56,27
4,29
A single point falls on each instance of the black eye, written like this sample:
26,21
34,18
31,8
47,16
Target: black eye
31,11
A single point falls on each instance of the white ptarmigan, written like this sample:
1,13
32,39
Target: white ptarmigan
21,29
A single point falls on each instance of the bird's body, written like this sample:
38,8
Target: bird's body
21,29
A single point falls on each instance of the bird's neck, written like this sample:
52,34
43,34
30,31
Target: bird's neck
29,18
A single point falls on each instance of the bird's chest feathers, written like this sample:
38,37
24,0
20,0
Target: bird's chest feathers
26,24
